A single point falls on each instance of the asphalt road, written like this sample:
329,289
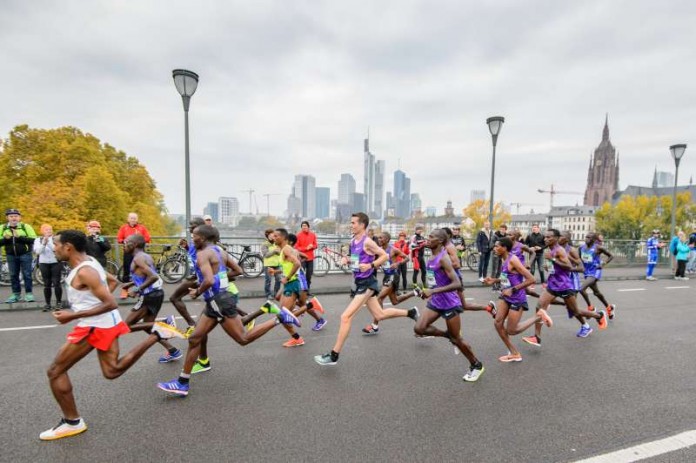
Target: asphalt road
392,397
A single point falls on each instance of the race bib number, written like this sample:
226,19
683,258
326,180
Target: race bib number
157,284
138,304
504,281
430,279
224,281
587,257
355,262
549,266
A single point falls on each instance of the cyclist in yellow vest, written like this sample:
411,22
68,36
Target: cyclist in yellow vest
271,264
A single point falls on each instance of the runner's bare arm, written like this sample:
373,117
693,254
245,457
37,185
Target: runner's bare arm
88,278
380,254
203,262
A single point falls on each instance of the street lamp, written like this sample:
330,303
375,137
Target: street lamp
186,83
495,123
677,152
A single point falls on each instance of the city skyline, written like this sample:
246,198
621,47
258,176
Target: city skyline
293,88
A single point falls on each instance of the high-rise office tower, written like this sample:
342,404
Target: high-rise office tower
304,189
323,195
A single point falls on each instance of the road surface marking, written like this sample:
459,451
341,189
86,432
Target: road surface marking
43,327
677,287
646,450
630,289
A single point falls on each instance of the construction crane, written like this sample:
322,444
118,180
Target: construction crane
553,192
268,201
518,205
251,192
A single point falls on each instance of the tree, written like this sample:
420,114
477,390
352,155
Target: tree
327,227
476,213
633,218
65,178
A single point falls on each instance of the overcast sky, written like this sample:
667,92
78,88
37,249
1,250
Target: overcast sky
290,87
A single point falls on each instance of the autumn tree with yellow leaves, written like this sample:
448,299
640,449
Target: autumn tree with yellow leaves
65,178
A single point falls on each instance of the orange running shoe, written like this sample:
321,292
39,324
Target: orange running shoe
545,317
611,308
124,294
590,308
602,322
510,358
316,305
533,340
294,342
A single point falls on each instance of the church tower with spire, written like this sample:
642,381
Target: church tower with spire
603,174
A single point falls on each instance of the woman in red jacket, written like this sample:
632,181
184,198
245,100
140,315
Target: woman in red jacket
306,244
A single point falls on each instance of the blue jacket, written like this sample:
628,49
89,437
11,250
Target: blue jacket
682,251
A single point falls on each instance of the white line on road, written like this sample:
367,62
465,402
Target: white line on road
677,287
20,328
630,289
647,450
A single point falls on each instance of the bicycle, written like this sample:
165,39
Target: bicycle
329,259
251,262
172,268
470,257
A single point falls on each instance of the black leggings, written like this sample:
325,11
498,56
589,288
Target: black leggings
51,277
309,271
402,270
681,267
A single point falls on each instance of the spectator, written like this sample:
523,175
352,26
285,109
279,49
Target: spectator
417,246
271,264
682,255
97,245
458,241
208,220
306,244
49,267
483,246
497,263
653,245
402,245
535,242
691,265
673,245
132,227
18,239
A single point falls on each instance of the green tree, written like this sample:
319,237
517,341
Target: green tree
633,218
476,213
65,177
326,227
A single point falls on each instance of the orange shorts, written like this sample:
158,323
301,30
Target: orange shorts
100,338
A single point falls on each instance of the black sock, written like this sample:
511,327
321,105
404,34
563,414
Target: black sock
72,422
183,380
334,356
173,350
412,313
477,366
295,336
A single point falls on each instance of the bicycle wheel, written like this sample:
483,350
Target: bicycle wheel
4,274
321,266
472,262
36,276
112,268
252,266
174,270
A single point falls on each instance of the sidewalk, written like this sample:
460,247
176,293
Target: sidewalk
336,283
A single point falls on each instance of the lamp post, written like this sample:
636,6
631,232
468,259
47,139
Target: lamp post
494,125
677,152
186,83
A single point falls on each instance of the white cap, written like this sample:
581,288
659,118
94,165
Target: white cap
207,217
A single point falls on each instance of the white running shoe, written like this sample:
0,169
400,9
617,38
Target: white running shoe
473,374
63,430
167,329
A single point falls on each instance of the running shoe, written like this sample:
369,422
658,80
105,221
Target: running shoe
199,367
166,358
602,322
250,326
167,329
651,278
611,310
533,340
414,313
12,299
417,292
287,318
175,387
63,429
319,325
545,318
473,374
325,360
481,279
189,331
47,308
124,294
270,307
370,330
294,342
590,308
29,297
510,358
584,332
316,305
490,308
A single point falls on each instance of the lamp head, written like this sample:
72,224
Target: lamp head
677,151
185,81
494,124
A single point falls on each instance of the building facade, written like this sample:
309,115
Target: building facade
603,173
323,200
228,209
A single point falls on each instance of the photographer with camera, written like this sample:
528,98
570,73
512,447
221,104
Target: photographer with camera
18,239
97,245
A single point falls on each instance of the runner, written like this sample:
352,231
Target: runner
559,284
89,291
514,279
313,307
390,282
147,286
654,245
456,264
591,255
220,307
365,257
444,302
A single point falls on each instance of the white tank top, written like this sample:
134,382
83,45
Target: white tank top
85,300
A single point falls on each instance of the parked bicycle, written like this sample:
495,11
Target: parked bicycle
251,262
328,259
470,257
172,267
